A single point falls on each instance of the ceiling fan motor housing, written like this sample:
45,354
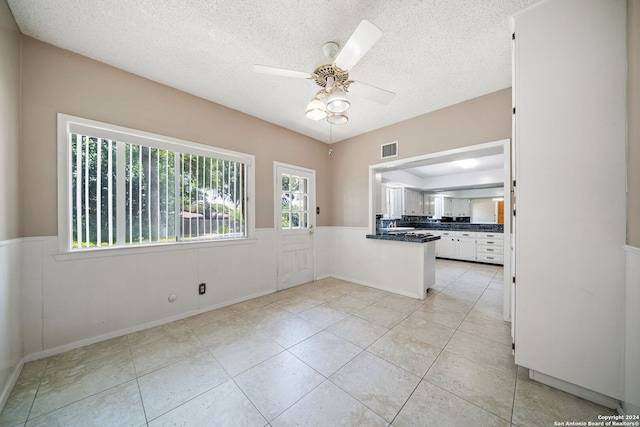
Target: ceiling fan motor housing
323,72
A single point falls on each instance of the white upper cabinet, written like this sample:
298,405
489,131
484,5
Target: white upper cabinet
461,207
428,204
456,207
394,203
412,202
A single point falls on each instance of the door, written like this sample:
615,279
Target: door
500,208
294,222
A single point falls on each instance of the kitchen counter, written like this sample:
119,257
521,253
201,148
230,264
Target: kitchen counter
403,236
452,226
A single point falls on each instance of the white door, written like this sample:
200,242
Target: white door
294,222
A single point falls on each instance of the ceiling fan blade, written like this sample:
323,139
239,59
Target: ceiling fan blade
365,36
372,93
283,72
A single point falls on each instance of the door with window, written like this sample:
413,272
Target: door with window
295,220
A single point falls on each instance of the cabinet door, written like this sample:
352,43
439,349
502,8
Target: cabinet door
466,248
395,202
382,206
447,207
438,208
406,202
412,202
446,247
464,207
461,207
428,205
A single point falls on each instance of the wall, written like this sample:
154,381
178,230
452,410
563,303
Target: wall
633,123
483,119
55,80
9,124
632,291
10,272
74,301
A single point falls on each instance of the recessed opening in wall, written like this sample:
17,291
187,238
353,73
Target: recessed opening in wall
425,189
476,172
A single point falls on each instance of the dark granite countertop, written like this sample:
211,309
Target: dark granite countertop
448,226
404,237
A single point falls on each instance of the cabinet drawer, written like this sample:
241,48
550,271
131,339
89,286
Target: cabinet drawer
489,250
488,242
496,259
491,236
467,234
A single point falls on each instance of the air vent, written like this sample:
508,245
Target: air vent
389,150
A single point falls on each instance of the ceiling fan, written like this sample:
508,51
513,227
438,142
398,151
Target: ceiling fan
331,102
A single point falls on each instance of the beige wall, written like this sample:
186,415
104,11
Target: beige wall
633,123
483,119
56,80
9,125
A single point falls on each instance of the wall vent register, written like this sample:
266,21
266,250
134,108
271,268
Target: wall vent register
389,150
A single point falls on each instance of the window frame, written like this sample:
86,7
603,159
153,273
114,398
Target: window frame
68,124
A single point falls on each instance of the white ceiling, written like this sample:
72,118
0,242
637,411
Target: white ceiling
433,53
485,163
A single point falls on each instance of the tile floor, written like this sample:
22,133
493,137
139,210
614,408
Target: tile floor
327,353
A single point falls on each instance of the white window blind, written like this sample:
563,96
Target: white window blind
127,187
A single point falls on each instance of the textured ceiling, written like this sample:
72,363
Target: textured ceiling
433,53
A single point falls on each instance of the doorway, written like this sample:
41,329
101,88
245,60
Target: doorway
294,201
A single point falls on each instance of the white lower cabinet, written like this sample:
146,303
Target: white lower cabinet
470,246
490,247
466,248
444,246
456,245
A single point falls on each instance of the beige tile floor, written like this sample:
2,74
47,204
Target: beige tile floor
327,353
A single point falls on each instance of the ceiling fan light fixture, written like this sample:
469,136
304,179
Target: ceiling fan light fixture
338,118
316,109
338,101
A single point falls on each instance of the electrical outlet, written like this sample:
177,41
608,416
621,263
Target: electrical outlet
202,288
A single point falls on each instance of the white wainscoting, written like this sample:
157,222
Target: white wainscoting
631,403
11,351
74,302
322,249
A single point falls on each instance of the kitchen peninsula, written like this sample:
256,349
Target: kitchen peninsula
408,258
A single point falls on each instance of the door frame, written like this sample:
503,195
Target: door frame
277,225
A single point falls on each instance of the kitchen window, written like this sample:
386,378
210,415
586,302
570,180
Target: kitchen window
121,187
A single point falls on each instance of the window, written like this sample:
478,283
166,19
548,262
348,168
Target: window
295,201
121,187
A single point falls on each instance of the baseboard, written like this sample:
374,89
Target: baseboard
88,341
576,390
373,285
